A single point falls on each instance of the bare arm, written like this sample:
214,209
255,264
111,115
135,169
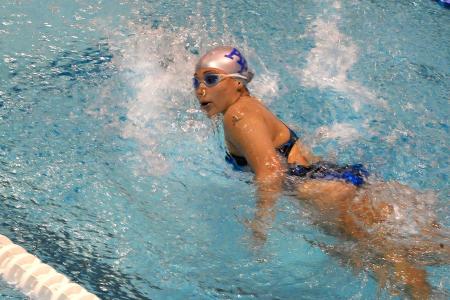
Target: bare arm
250,135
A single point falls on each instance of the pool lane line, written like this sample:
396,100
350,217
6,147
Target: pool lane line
34,278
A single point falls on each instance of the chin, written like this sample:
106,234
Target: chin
211,113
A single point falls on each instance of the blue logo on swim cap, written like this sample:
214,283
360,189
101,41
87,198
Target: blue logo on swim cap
242,62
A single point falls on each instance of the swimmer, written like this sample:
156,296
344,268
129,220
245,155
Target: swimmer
345,204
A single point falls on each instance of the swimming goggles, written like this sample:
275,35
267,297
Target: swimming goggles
211,80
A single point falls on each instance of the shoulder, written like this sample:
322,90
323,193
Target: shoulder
244,112
246,123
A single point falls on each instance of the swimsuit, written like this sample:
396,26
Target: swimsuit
354,174
239,161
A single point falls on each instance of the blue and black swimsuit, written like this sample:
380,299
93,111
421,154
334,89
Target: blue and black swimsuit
354,174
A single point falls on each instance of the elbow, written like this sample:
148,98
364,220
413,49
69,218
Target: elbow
268,170
269,177
269,185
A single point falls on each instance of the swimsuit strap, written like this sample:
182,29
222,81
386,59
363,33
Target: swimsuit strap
284,150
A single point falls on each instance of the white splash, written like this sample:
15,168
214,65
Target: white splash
344,133
266,87
157,66
329,62
412,210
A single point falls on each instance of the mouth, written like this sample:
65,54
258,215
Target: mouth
205,105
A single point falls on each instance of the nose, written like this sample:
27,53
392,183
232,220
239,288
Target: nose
201,91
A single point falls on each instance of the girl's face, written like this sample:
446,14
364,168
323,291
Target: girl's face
215,92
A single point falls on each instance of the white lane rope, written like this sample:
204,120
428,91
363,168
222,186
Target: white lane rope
34,278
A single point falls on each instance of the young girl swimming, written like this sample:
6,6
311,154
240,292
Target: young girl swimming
345,204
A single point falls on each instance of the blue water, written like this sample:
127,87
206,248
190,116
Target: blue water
111,174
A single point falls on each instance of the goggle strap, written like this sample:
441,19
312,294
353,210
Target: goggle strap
236,75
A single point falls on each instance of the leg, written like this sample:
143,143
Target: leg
333,200
358,212
406,273
326,194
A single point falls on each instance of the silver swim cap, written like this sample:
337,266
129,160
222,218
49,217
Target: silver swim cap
227,59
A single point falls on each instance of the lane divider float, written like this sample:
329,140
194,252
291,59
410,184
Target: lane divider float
34,278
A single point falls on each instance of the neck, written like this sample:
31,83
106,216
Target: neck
239,96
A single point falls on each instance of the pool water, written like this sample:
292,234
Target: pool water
111,174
